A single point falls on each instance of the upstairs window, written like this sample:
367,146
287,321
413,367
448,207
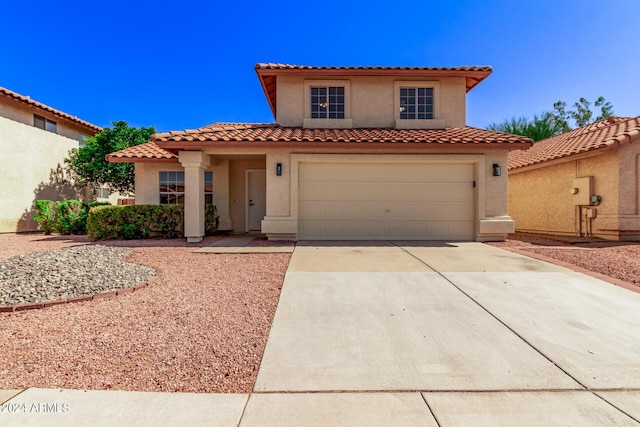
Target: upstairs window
172,188
416,103
327,102
44,123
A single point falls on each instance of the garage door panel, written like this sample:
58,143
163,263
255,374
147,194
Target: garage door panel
417,211
386,201
451,192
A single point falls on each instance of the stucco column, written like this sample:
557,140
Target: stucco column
194,163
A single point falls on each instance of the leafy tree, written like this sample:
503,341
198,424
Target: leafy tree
88,166
555,122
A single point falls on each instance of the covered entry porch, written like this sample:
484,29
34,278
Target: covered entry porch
238,189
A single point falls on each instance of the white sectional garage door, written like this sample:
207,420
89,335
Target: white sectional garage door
386,201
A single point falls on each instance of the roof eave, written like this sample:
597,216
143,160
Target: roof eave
45,109
140,160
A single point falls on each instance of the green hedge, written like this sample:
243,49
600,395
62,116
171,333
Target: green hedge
64,217
143,221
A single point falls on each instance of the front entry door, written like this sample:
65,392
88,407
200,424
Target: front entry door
256,198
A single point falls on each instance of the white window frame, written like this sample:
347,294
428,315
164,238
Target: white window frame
344,123
47,124
325,108
435,123
177,194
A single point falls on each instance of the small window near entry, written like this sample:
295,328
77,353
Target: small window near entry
172,188
416,103
208,187
44,123
327,102
103,193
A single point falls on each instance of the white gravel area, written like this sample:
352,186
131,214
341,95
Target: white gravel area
67,273
619,260
201,326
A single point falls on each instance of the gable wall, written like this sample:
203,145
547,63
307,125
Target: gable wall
23,113
372,100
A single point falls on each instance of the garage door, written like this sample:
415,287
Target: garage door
386,201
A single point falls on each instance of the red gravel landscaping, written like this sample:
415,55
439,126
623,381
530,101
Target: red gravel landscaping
618,260
201,325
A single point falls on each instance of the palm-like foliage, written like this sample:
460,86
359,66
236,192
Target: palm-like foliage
555,122
539,128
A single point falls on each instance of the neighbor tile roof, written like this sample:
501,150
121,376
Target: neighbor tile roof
163,145
601,134
27,100
142,152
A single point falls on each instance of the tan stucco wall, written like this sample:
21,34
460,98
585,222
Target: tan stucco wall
372,100
492,220
32,169
540,201
629,179
629,192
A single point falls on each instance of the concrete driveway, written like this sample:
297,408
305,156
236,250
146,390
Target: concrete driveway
408,334
458,333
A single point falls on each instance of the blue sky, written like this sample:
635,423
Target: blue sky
181,65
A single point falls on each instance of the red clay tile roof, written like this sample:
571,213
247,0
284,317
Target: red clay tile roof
27,100
143,152
248,132
164,145
267,73
272,66
604,133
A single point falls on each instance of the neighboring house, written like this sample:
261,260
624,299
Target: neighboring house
34,140
357,153
585,182
103,195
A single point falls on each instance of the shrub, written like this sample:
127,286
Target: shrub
142,221
64,217
45,215
210,219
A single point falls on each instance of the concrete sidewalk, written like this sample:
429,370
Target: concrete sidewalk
412,334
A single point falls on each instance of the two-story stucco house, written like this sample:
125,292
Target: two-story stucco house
34,141
355,153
